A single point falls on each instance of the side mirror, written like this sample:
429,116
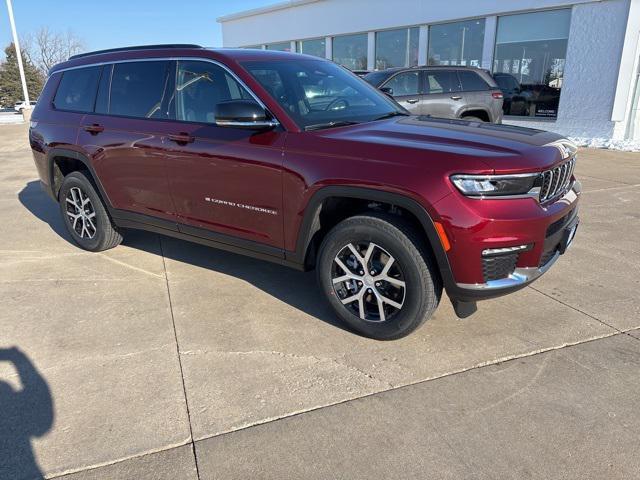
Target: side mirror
387,91
243,114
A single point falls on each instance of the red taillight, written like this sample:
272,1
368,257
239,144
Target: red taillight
497,95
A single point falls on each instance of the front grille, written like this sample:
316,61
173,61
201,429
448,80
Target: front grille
499,266
556,181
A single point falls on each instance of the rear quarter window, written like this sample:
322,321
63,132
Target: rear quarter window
77,89
471,81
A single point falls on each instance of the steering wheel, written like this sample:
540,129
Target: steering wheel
333,104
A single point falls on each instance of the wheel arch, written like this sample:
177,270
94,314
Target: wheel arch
475,111
77,161
311,223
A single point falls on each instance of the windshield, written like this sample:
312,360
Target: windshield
321,94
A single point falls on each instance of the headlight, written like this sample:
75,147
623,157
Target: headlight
497,185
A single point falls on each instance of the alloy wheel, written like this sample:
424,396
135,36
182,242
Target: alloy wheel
80,213
368,281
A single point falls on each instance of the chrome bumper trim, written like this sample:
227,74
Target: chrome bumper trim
520,276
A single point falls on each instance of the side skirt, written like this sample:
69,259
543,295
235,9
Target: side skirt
201,236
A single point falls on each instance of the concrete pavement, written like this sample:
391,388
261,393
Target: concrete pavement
165,359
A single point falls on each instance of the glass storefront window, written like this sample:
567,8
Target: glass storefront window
529,60
315,47
282,46
351,51
458,43
397,48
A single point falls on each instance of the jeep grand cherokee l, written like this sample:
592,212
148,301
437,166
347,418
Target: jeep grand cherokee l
293,159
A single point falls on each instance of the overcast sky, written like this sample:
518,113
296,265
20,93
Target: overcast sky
116,23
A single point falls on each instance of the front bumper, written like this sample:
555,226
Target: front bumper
548,229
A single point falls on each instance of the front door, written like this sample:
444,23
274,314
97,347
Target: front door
225,182
406,90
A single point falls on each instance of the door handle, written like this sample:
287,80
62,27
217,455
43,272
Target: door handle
412,100
455,97
181,138
93,129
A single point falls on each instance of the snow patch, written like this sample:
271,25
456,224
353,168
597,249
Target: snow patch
608,143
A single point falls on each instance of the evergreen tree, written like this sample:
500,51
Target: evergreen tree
10,86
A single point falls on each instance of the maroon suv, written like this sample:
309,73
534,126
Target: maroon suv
293,159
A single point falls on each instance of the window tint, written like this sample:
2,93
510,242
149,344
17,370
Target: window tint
406,83
102,100
442,81
77,89
200,86
137,89
471,81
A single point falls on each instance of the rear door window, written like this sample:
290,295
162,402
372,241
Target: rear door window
471,81
138,89
407,83
442,81
77,89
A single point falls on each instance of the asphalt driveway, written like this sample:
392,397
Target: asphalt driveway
168,360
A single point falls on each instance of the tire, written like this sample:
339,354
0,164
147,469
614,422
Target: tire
392,237
93,229
473,119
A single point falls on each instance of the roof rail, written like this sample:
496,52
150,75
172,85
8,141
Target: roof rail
137,47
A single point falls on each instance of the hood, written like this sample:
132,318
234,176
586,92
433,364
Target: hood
502,148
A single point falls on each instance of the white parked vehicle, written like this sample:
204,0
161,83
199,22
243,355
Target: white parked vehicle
20,106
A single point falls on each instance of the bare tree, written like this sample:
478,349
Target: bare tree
45,48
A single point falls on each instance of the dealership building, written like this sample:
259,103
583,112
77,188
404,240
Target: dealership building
575,64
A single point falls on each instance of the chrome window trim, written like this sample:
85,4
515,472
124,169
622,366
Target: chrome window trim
276,122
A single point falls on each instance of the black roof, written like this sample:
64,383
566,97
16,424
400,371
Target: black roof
137,47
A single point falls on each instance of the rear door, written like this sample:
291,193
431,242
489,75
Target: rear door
124,137
442,93
407,90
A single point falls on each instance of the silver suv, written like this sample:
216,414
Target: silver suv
443,91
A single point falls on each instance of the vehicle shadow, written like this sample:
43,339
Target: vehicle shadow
24,413
297,289
41,206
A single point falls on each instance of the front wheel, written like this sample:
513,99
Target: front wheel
376,275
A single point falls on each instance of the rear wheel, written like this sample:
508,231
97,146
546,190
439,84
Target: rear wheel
84,214
376,275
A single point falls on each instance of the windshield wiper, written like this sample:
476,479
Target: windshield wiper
391,114
338,123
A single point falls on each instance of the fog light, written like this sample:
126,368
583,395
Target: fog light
489,252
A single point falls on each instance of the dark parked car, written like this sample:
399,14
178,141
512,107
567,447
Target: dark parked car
292,159
517,101
445,92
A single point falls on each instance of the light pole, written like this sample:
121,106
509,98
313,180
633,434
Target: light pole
16,43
